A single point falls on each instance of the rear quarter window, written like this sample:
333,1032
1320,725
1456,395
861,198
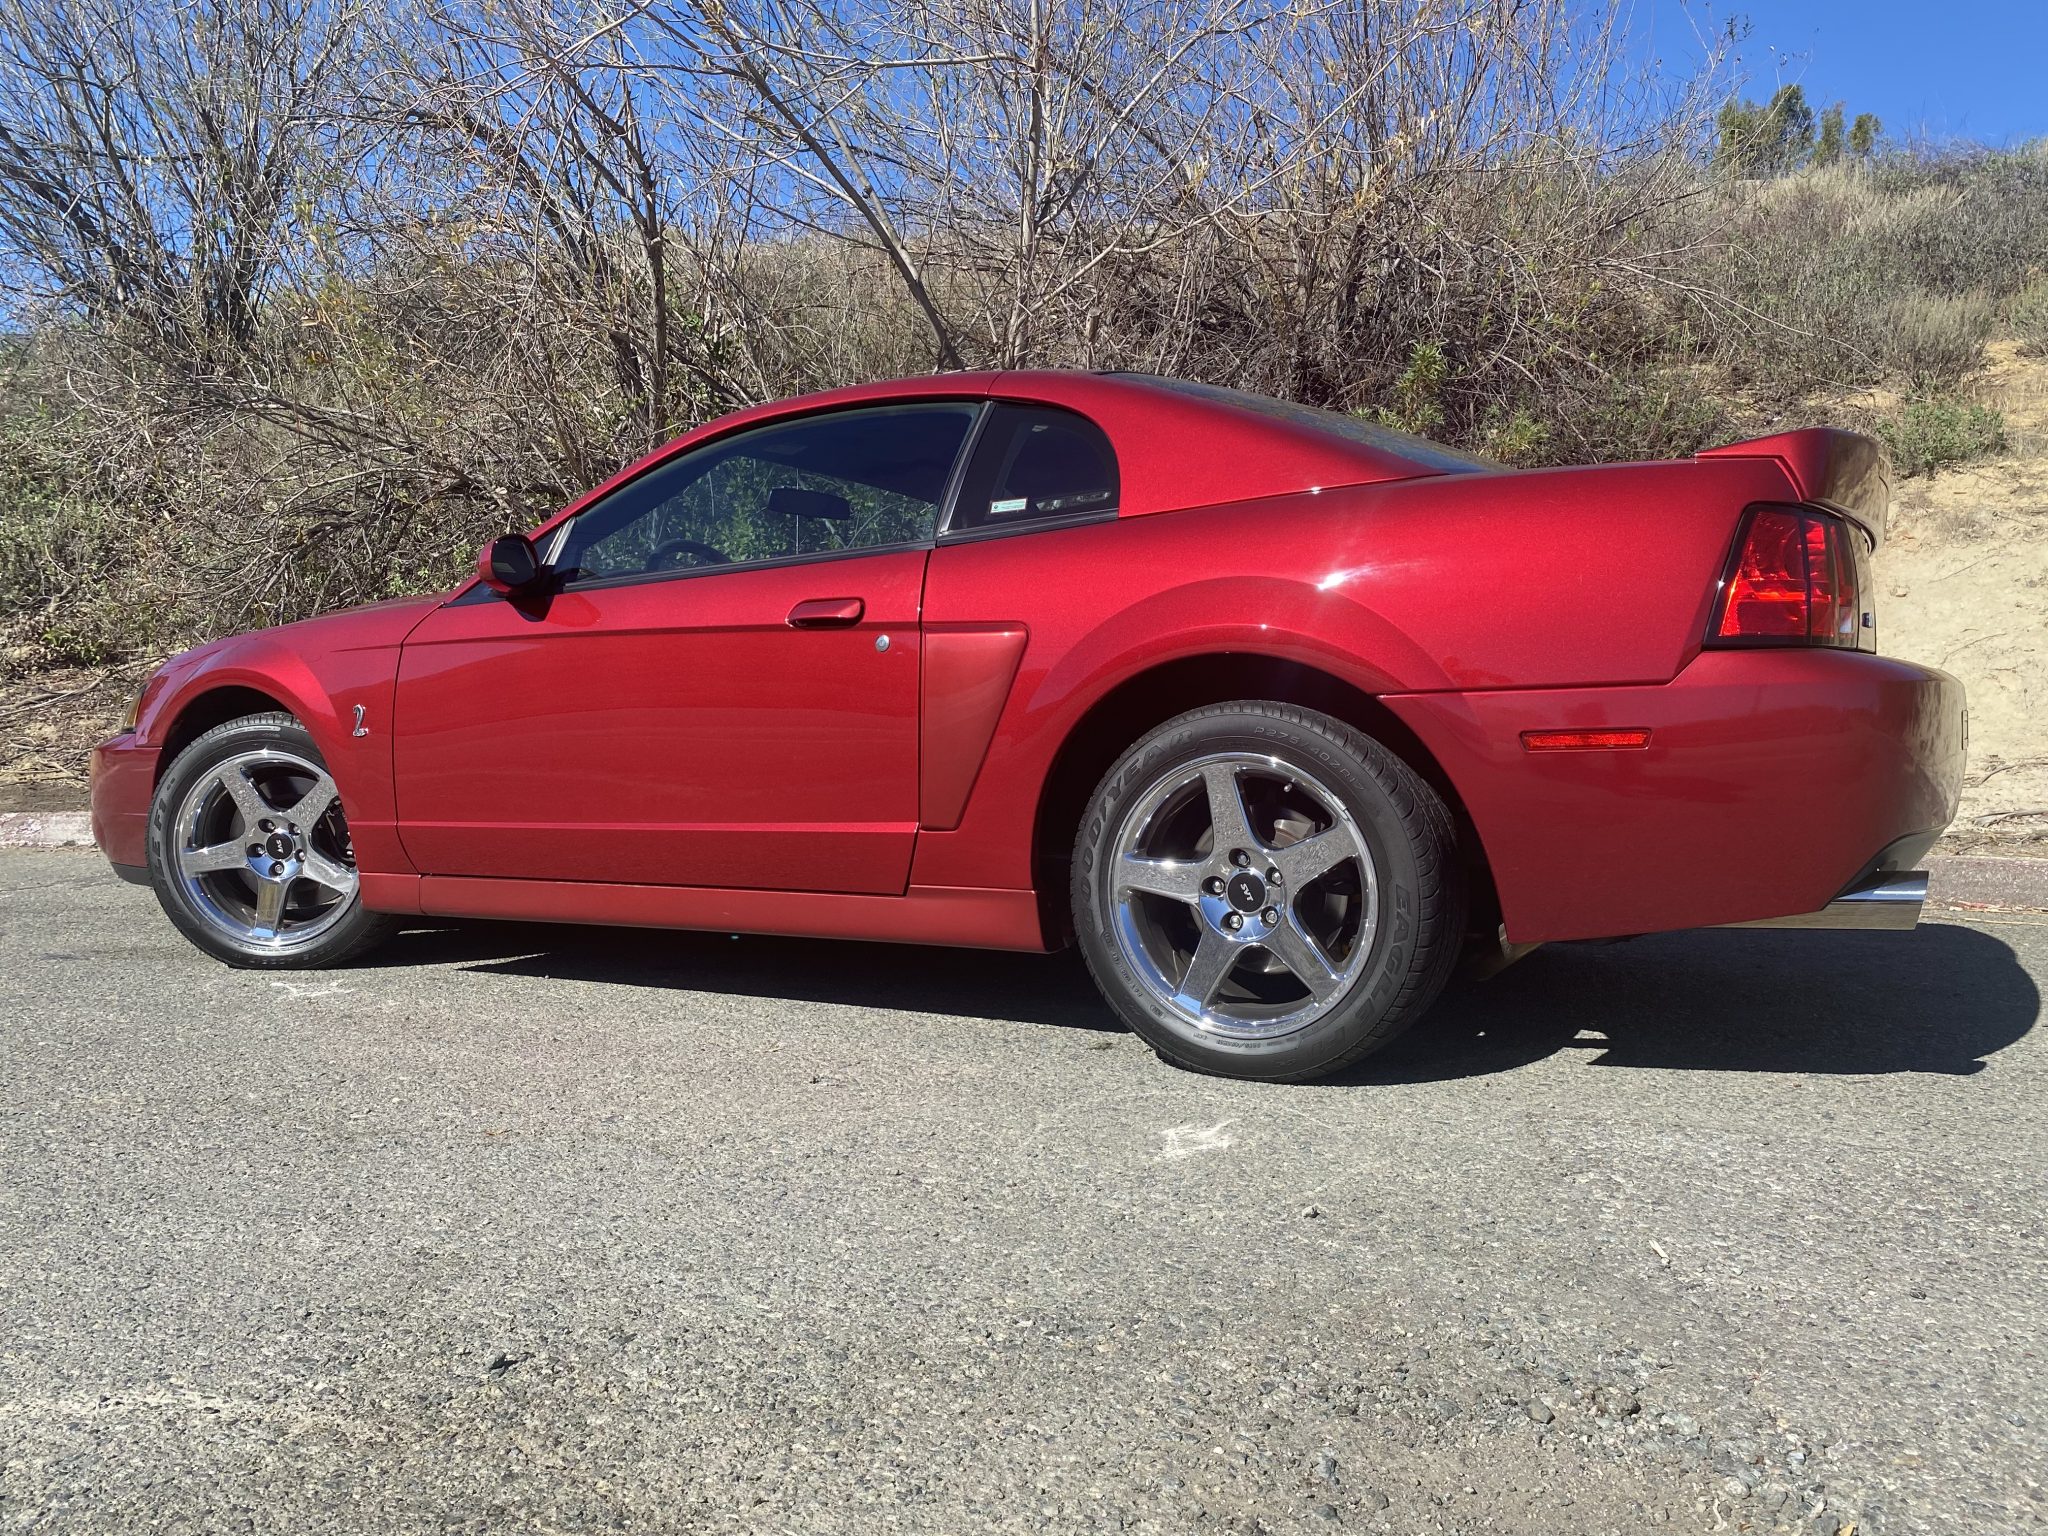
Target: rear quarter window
1036,464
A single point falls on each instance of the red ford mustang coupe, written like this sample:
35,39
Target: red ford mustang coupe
1270,710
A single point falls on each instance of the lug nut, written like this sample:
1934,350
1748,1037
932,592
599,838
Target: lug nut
277,869
255,850
1233,922
1240,858
1213,885
265,826
1271,916
1272,877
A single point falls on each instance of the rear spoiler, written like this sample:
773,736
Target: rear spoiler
1844,472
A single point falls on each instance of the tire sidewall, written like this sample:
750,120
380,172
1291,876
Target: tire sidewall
274,732
1387,973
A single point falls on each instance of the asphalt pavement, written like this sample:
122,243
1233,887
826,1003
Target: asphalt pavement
546,1230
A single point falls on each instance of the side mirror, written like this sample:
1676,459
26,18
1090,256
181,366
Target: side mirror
509,564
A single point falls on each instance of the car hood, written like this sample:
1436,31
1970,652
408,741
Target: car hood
368,627
363,627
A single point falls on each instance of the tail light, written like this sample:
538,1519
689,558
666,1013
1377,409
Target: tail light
1795,578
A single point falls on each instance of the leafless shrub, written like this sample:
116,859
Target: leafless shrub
1860,274
322,292
2027,316
1930,340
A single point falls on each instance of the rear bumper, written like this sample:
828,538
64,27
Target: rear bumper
1774,783
123,778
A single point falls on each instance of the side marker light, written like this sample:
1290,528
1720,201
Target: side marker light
1584,741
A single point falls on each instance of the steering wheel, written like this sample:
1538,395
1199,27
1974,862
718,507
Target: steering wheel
701,554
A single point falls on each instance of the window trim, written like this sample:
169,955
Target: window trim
948,534
1051,523
734,567
558,536
958,480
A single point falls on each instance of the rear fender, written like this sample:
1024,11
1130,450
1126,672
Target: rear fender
1278,618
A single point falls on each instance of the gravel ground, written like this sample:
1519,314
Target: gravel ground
535,1230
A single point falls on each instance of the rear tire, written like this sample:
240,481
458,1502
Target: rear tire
1261,891
249,853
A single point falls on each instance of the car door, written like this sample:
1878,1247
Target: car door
718,685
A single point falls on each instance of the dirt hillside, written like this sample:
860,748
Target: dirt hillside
1963,585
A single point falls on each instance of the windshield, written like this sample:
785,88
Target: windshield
1417,450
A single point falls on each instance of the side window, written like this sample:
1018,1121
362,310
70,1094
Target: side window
847,481
1036,464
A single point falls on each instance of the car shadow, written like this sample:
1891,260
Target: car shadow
977,984
1940,999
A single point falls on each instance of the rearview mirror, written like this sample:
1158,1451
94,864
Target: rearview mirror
791,501
509,564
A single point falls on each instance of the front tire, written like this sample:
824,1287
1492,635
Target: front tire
1261,891
249,853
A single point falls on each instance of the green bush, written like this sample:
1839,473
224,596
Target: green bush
73,572
1940,432
1417,403
51,538
1515,439
96,634
1644,414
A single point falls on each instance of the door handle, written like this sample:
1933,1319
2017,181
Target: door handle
826,613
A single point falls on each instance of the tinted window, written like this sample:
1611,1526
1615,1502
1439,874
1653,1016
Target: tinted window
848,481
1036,464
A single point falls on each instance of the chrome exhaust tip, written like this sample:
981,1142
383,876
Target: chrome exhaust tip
1890,900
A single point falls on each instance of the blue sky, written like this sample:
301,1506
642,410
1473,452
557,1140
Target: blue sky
1974,69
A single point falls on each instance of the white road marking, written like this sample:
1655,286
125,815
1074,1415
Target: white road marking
1189,1140
302,991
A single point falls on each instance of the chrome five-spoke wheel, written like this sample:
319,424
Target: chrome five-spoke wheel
1245,896
250,855
262,850
1265,891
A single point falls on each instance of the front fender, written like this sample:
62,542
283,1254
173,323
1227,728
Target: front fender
320,671
248,661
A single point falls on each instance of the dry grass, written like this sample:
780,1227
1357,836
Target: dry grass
2027,317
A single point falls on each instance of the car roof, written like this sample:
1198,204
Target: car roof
1177,446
